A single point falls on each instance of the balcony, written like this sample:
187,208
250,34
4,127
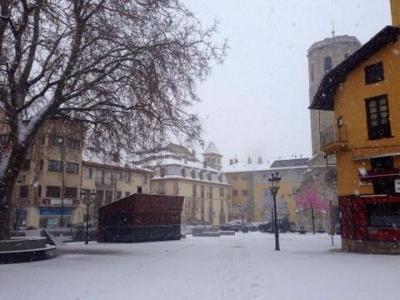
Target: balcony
58,202
333,139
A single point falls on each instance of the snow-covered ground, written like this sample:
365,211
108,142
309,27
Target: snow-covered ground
241,267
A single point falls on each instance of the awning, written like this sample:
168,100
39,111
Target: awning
375,156
374,175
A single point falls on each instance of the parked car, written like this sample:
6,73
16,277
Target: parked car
293,227
320,229
302,230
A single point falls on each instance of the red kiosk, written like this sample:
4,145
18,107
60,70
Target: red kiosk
141,218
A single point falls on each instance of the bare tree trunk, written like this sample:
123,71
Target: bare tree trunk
7,183
313,219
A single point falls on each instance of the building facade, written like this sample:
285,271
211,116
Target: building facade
206,190
364,96
48,189
251,200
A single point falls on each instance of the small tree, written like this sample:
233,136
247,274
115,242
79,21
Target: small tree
308,198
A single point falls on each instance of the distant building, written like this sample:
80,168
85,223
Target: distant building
48,189
363,94
206,190
250,198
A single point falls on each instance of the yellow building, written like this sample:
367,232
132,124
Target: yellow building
48,189
206,190
364,93
250,198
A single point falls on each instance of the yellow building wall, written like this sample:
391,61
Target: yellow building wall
213,207
257,190
350,104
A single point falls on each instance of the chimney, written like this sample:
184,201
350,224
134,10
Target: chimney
260,161
395,7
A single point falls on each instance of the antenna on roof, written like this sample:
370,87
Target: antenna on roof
333,28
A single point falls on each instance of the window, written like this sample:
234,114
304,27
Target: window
221,192
374,73
99,197
4,139
53,192
183,171
72,168
39,191
109,196
55,166
71,192
99,177
193,173
210,192
119,195
144,179
327,64
384,215
234,193
88,173
56,140
26,165
194,193
382,163
73,144
378,119
385,185
202,191
139,190
162,172
23,191
127,194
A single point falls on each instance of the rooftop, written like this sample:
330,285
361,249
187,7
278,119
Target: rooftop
324,98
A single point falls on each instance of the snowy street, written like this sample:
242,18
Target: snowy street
241,267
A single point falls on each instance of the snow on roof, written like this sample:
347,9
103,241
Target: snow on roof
211,148
180,162
241,168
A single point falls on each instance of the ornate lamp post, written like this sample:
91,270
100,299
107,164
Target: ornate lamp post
88,199
274,180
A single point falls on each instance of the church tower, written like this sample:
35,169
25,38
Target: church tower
212,157
323,56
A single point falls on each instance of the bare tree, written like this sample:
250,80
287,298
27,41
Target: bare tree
126,69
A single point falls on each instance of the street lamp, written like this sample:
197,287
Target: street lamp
274,180
87,200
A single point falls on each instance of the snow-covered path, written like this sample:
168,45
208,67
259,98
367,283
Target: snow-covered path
240,267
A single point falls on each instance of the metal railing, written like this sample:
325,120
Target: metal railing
333,134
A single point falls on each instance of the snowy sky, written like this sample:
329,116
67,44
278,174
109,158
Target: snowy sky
256,102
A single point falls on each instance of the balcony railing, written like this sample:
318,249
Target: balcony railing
58,202
333,138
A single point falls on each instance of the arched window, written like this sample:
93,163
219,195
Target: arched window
162,172
327,64
183,172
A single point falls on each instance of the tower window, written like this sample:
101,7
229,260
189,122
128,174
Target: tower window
327,64
374,73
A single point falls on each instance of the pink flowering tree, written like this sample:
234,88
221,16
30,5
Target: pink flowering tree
308,198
